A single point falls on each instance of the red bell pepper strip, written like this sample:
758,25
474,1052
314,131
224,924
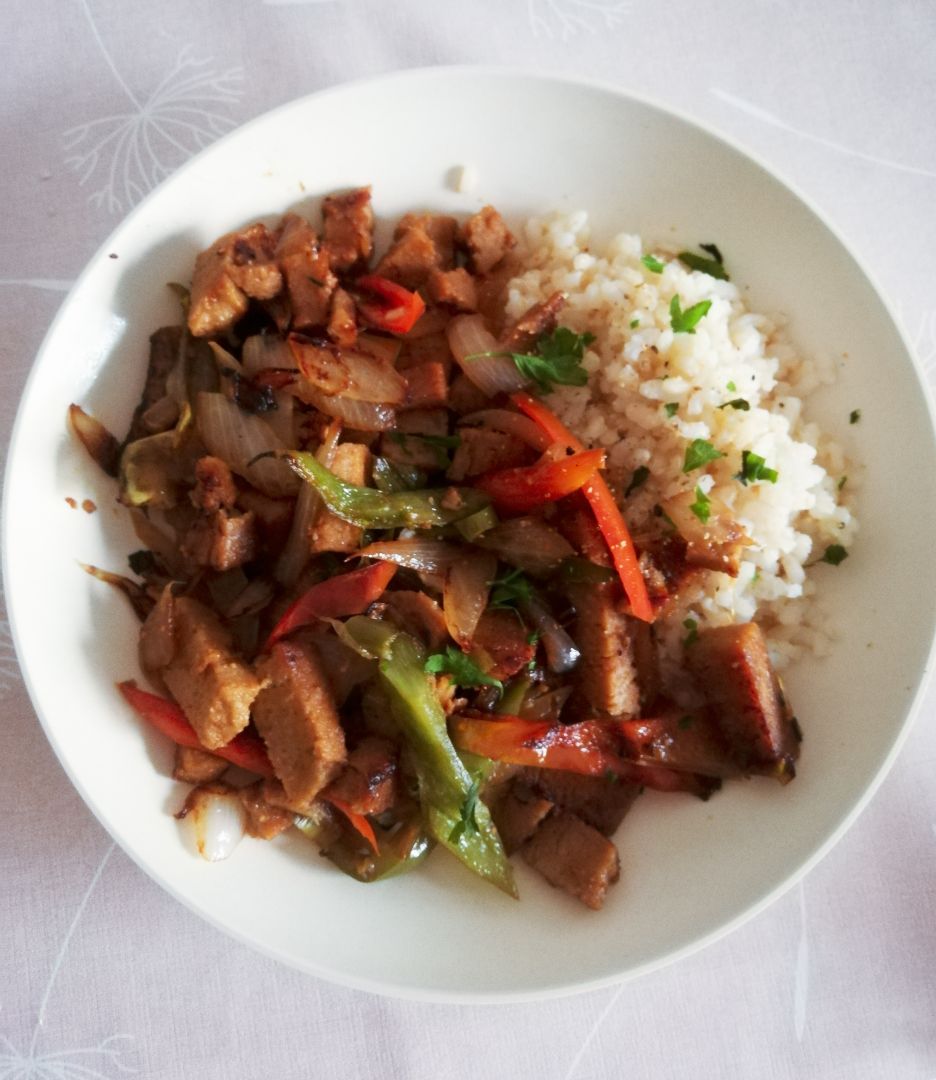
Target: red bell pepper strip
388,306
521,489
605,508
245,750
334,598
359,822
591,748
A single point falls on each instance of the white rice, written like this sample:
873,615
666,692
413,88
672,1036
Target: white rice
735,353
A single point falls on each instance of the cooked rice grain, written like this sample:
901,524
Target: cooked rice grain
637,370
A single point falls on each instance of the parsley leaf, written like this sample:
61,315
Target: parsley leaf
834,554
693,636
699,453
685,322
712,267
732,388
637,480
467,822
736,403
510,590
670,407
702,507
653,264
753,467
464,671
558,359
854,416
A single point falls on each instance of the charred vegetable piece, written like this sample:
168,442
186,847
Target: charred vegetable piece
96,439
606,510
346,594
522,489
245,750
592,747
444,783
685,741
388,306
398,850
372,509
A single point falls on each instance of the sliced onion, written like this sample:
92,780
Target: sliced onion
155,539
528,543
465,595
96,439
512,423
426,556
238,438
295,553
562,654
351,374
263,351
479,355
282,418
359,415
216,817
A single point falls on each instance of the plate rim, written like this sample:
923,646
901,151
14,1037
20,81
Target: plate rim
383,987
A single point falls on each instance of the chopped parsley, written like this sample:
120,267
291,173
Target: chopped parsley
854,416
712,249
467,822
510,589
464,671
736,403
713,267
557,360
685,322
693,636
637,480
731,388
653,264
634,323
702,507
834,554
842,482
753,467
699,453
671,407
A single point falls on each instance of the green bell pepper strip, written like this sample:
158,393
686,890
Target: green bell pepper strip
400,851
373,509
444,782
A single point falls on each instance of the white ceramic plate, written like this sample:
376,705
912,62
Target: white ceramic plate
691,871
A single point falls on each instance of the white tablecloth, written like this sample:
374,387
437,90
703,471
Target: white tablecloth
101,973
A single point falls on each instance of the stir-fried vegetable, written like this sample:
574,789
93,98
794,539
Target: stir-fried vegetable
606,510
373,509
347,594
388,306
444,782
523,489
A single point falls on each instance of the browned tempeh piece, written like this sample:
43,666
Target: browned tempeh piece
329,532
599,802
235,268
574,857
518,815
307,272
194,766
522,335
214,688
732,668
348,227
295,714
607,671
456,289
487,239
